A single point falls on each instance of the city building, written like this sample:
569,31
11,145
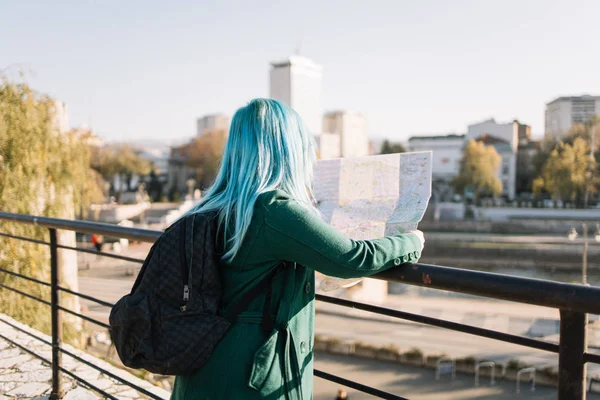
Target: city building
179,173
506,139
447,153
564,112
351,128
159,157
328,146
211,123
296,81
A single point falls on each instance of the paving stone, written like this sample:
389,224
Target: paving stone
4,345
29,390
7,386
130,394
32,376
87,373
117,389
14,361
9,353
101,384
33,365
80,394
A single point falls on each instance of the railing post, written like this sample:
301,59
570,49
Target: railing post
571,366
56,319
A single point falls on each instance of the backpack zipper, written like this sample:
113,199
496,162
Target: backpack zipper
184,267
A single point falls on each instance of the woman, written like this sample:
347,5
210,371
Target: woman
263,195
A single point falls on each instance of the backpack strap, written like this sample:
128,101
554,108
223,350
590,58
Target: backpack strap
268,323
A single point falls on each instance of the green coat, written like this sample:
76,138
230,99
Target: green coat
246,364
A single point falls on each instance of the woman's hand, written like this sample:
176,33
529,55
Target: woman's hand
419,235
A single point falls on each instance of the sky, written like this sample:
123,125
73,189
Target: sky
136,70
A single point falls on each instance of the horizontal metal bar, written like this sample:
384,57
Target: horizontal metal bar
354,385
591,358
101,253
86,362
566,296
539,292
85,296
92,320
25,294
24,277
455,326
25,239
66,371
143,235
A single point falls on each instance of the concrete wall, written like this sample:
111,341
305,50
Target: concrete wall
115,213
448,217
507,213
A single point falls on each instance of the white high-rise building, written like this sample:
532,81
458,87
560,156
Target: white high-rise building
351,127
564,112
296,81
213,122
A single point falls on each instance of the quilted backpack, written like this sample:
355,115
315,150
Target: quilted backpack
169,324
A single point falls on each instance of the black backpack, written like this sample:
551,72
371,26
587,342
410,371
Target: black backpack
170,322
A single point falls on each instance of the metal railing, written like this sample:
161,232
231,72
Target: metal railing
573,301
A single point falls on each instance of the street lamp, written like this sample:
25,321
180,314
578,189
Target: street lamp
573,235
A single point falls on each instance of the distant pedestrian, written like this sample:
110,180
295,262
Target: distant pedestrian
97,242
342,395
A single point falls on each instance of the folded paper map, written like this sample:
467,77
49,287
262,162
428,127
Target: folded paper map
372,197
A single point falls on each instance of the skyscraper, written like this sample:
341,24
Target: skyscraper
296,81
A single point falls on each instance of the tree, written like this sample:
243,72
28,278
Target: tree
45,172
567,172
120,162
391,148
155,187
479,170
204,156
588,132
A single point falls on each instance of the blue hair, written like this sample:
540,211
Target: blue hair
268,148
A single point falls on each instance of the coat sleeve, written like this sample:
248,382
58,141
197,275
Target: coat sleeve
296,233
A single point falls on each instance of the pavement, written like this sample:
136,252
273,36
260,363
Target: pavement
24,376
